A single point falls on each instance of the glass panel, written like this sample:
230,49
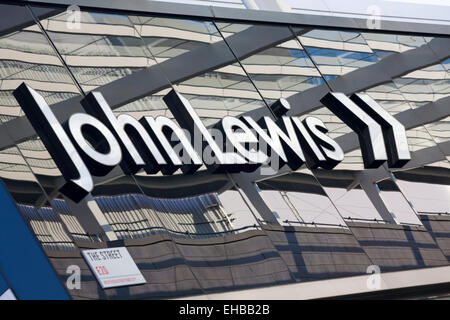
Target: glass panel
440,130
384,45
396,202
199,207
393,98
419,138
353,204
351,201
26,56
404,93
152,105
412,90
32,201
429,84
168,38
104,48
427,188
240,212
27,169
336,52
214,93
217,94
279,71
298,199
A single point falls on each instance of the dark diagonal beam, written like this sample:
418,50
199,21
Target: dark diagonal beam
17,17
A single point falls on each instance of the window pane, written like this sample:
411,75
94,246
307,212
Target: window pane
215,92
396,202
26,56
298,199
104,48
280,71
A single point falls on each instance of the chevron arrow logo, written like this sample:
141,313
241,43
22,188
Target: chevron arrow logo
381,136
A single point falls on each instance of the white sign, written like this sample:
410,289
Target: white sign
113,267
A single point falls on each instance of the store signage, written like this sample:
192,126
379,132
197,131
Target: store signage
93,143
113,267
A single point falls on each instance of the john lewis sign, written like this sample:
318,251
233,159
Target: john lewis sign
93,143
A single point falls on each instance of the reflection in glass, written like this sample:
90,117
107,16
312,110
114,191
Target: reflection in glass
168,38
137,215
279,71
199,206
439,130
337,52
396,202
425,85
32,201
213,93
351,200
217,94
108,46
353,204
298,199
427,188
105,47
383,44
48,227
151,105
26,56
412,90
241,214
71,222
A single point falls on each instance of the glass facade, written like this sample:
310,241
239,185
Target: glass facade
205,61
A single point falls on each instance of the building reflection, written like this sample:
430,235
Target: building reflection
63,63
